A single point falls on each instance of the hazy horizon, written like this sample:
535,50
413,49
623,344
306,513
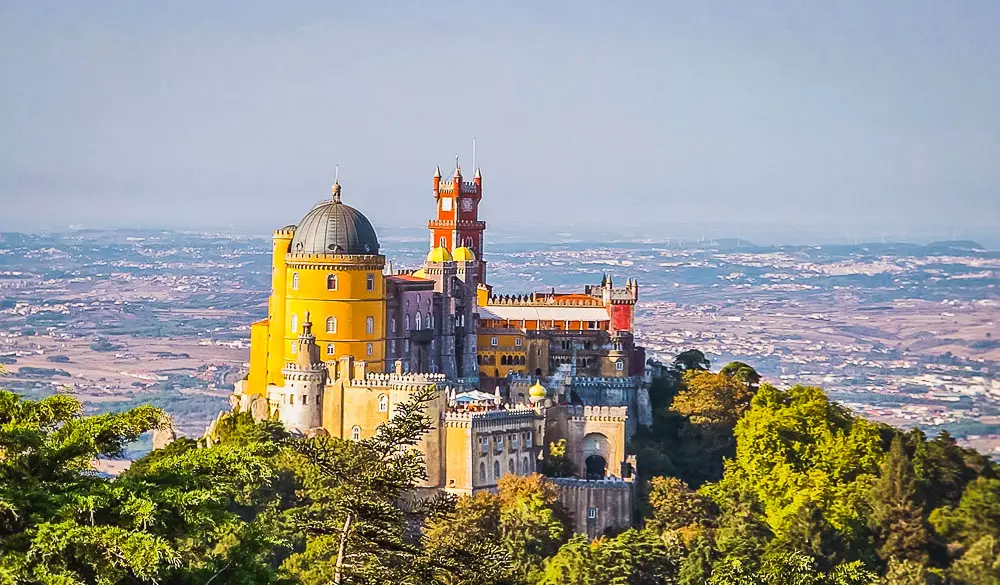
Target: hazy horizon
845,121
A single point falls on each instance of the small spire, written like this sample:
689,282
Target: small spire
437,172
479,174
336,186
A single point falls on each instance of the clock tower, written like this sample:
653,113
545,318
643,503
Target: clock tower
457,224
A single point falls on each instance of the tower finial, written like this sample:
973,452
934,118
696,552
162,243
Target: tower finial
456,163
336,185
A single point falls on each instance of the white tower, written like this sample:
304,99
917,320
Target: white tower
300,404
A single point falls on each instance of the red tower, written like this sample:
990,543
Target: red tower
457,223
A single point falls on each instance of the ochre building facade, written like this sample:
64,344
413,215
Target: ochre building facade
346,339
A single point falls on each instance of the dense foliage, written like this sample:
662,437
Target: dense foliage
741,483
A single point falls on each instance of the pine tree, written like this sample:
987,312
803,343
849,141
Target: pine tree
897,519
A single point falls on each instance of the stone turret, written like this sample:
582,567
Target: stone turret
299,405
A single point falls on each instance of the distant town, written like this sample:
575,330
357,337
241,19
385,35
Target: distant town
905,334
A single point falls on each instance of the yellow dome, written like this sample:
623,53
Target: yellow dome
464,254
537,392
439,254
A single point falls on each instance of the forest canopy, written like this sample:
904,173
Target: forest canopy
739,482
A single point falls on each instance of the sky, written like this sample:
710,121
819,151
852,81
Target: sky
850,117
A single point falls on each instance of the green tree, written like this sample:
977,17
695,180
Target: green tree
358,523
676,506
980,565
811,465
897,518
636,557
906,572
790,569
708,398
697,566
691,359
743,373
976,516
556,462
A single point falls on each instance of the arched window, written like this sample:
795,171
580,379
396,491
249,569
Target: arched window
331,349
443,242
510,466
619,365
417,317
526,469
295,346
356,434
392,324
295,281
331,324
370,282
370,349
406,322
295,323
331,282
383,403
369,324
496,470
482,472
430,321
468,242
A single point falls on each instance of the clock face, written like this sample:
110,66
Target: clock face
466,204
446,204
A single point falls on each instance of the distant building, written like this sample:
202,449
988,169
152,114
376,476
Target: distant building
347,339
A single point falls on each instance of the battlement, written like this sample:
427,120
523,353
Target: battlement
605,413
286,232
410,381
464,418
544,299
578,483
605,381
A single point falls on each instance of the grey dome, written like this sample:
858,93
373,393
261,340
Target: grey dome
334,228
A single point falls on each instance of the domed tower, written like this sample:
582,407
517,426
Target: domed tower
299,404
329,264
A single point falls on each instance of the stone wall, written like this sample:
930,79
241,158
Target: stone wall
596,507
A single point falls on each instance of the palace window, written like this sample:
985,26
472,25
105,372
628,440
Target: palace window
295,346
443,242
295,323
331,282
499,440
392,346
383,403
305,400
370,282
513,442
392,324
518,341
591,513
418,320
356,434
370,325
496,470
619,365
482,472
527,440
494,341
468,242
510,466
406,322
527,466
484,445
331,349
295,281
370,349
331,324
430,321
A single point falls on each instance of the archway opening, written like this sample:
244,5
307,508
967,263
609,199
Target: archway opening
597,467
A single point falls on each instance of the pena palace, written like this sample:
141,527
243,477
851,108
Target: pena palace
346,339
